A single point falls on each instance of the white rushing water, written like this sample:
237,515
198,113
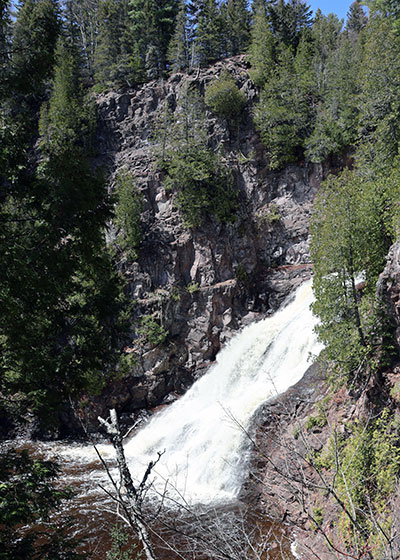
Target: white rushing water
206,453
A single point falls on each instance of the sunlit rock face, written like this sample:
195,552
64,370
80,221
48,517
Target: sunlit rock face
208,282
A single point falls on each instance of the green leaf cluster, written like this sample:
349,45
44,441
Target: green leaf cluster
29,493
152,331
225,98
128,208
202,184
351,231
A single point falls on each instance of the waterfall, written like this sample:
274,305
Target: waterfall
206,453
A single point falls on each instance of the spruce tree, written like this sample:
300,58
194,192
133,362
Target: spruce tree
235,26
82,26
336,124
5,33
283,115
262,47
58,290
114,58
179,47
36,32
356,18
208,43
152,25
380,93
5,45
289,19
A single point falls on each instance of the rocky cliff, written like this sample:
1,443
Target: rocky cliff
203,284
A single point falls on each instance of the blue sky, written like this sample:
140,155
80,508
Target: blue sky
340,7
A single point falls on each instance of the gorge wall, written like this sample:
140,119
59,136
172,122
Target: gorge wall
203,284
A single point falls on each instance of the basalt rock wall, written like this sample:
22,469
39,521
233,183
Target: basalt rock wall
202,284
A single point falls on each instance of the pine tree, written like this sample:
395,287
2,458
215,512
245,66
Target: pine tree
82,25
379,99
59,342
288,20
5,45
179,48
5,33
152,25
282,116
262,47
235,26
356,18
36,32
337,111
208,39
114,60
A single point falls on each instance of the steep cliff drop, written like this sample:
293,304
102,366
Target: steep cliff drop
202,434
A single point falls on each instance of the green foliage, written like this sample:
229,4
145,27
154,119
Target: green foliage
379,99
241,273
192,288
318,516
179,46
369,466
203,185
235,18
225,98
289,20
318,421
261,50
283,116
356,18
208,39
69,120
29,493
152,27
120,549
151,330
351,233
58,288
127,213
115,60
36,31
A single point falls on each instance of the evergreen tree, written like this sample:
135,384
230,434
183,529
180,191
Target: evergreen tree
235,26
82,25
5,33
351,233
201,183
356,18
208,42
179,47
58,290
282,116
379,99
336,63
337,111
289,19
36,32
262,47
114,60
152,24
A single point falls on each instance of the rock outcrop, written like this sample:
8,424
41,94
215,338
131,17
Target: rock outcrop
203,283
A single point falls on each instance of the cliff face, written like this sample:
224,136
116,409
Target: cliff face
236,272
